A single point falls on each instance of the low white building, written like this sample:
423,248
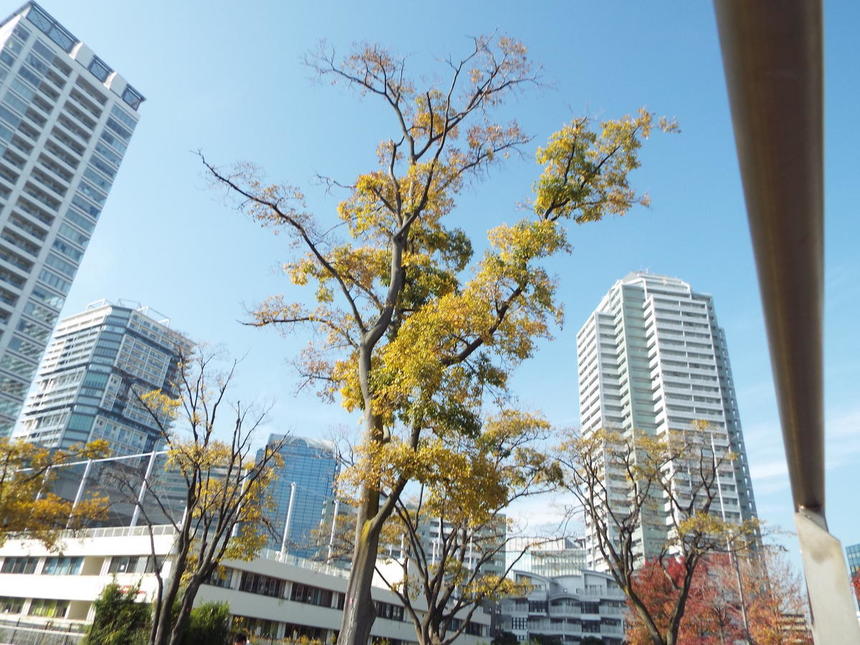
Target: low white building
566,609
275,596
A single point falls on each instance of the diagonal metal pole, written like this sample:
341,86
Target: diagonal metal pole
772,55
80,492
141,495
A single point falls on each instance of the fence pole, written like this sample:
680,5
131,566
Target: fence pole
289,519
140,496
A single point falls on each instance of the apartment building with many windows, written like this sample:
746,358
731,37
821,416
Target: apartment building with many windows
273,596
98,363
66,119
652,359
566,609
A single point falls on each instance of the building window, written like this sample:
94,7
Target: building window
389,611
220,577
22,32
132,97
62,37
132,564
99,69
40,18
263,585
19,565
11,605
62,566
311,595
49,608
537,606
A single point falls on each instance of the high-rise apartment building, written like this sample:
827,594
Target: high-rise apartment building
98,362
66,119
302,493
652,358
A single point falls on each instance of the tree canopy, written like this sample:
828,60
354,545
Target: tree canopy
225,485
408,328
26,500
635,485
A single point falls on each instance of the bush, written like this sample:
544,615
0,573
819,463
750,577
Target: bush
209,624
119,618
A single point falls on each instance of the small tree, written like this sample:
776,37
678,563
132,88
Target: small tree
27,505
623,481
409,330
225,487
209,624
773,592
731,599
464,490
710,613
119,618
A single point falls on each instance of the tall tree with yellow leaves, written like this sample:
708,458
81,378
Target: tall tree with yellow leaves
410,330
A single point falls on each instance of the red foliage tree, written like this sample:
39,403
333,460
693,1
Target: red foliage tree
772,598
712,613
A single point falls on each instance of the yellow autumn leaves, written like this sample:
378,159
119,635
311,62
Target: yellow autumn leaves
26,503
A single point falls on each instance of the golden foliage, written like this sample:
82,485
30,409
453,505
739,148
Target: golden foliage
26,502
585,171
408,327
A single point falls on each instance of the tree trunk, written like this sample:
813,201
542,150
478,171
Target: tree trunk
161,631
358,609
160,634
182,617
653,632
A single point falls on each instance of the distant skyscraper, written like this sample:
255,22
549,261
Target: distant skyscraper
853,552
309,469
87,381
66,119
652,358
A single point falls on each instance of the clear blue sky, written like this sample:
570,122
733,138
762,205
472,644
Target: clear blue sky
226,77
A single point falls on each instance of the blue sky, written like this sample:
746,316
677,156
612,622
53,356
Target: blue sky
226,78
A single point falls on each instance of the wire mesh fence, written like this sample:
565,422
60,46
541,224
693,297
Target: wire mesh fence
25,633
141,489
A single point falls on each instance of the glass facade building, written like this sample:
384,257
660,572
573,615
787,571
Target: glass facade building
66,119
97,363
652,358
311,465
853,553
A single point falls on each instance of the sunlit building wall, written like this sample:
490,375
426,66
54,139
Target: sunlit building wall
652,358
66,119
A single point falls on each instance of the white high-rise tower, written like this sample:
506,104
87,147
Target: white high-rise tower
66,119
652,358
